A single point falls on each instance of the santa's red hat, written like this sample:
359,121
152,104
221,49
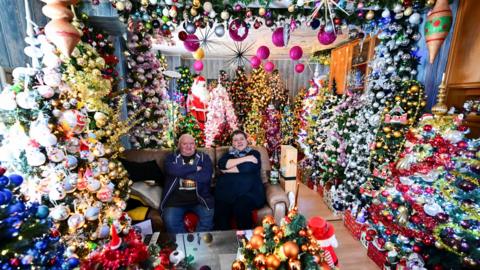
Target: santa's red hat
199,79
321,229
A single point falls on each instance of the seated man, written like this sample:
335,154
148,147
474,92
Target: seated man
187,187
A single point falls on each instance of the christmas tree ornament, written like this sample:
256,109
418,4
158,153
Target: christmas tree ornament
238,30
296,53
263,52
219,30
439,22
269,66
281,36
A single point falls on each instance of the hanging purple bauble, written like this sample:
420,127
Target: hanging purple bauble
263,52
296,52
299,68
269,66
326,38
191,43
281,36
255,62
198,65
238,30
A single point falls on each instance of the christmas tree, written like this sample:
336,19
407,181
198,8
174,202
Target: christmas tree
297,111
287,125
425,211
258,90
278,90
238,94
28,238
184,83
221,118
188,124
253,126
272,129
59,132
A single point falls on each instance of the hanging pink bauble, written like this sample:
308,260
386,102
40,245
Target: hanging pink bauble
296,52
198,65
263,52
255,62
280,37
238,30
299,68
191,43
269,66
326,38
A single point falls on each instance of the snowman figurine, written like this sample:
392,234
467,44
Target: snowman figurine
325,235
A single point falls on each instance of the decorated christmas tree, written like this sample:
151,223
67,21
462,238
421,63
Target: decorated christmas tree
28,239
258,90
425,213
287,125
184,83
297,111
220,118
272,129
253,126
58,131
278,89
238,95
188,124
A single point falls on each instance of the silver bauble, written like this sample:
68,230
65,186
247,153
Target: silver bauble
190,28
219,30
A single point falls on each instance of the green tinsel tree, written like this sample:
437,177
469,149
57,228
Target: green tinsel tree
188,124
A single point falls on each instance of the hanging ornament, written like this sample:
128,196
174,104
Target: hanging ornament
299,68
238,58
238,30
438,24
326,38
269,66
198,66
281,36
191,43
296,52
190,28
224,15
219,30
199,54
255,62
263,52
328,6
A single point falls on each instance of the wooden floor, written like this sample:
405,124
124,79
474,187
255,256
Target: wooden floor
351,254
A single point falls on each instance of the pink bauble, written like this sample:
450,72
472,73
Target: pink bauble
296,52
255,62
299,68
238,30
278,37
198,65
263,52
191,43
269,66
326,38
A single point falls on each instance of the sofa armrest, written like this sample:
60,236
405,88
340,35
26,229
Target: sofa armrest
150,195
277,200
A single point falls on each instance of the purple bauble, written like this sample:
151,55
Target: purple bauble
238,30
326,38
269,66
255,62
299,68
198,65
238,8
263,52
191,43
278,37
296,52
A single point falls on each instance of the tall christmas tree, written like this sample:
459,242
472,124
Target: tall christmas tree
238,94
287,126
253,126
188,124
258,90
184,84
272,129
297,111
59,132
278,89
221,118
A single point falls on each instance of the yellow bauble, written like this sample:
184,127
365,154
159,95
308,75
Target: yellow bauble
256,241
388,136
387,129
238,265
273,262
398,98
414,88
389,246
378,144
397,134
385,147
199,54
261,11
423,103
370,15
290,249
291,8
193,12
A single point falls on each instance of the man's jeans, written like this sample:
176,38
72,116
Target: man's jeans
173,218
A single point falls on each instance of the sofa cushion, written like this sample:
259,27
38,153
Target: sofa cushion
222,150
141,171
150,195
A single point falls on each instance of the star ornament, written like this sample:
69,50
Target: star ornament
239,54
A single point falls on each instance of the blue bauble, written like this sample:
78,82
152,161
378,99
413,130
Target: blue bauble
3,181
41,245
3,198
16,208
8,195
73,262
16,179
42,211
12,232
314,24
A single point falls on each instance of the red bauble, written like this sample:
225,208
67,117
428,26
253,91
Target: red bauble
462,144
99,36
337,21
15,262
437,267
428,241
372,232
368,238
164,260
390,218
381,242
182,35
427,128
394,205
462,128
385,193
417,249
388,232
190,221
415,219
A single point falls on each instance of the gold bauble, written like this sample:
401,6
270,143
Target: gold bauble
414,88
430,3
275,229
304,248
370,15
290,249
260,260
193,12
113,174
238,265
438,245
409,103
414,103
276,239
291,8
112,165
121,149
208,238
389,246
268,219
108,132
294,265
423,103
378,144
385,110
273,262
404,100
387,129
196,4
261,11
258,231
302,233
397,134
256,241
108,151
385,147
388,136
398,98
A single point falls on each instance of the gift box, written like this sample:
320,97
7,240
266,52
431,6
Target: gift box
352,225
378,256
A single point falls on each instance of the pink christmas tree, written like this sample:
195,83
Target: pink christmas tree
221,117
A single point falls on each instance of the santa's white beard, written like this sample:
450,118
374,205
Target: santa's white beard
200,91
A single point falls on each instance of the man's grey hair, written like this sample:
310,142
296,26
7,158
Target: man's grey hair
184,136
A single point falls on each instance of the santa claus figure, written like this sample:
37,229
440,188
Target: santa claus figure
325,235
197,101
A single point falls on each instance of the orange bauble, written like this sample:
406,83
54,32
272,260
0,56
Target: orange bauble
273,262
275,229
270,220
260,260
258,231
238,265
256,241
290,249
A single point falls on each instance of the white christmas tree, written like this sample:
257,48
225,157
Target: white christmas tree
220,117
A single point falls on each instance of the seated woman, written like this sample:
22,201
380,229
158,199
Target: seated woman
239,189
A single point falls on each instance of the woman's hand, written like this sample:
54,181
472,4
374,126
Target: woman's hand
251,158
231,170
